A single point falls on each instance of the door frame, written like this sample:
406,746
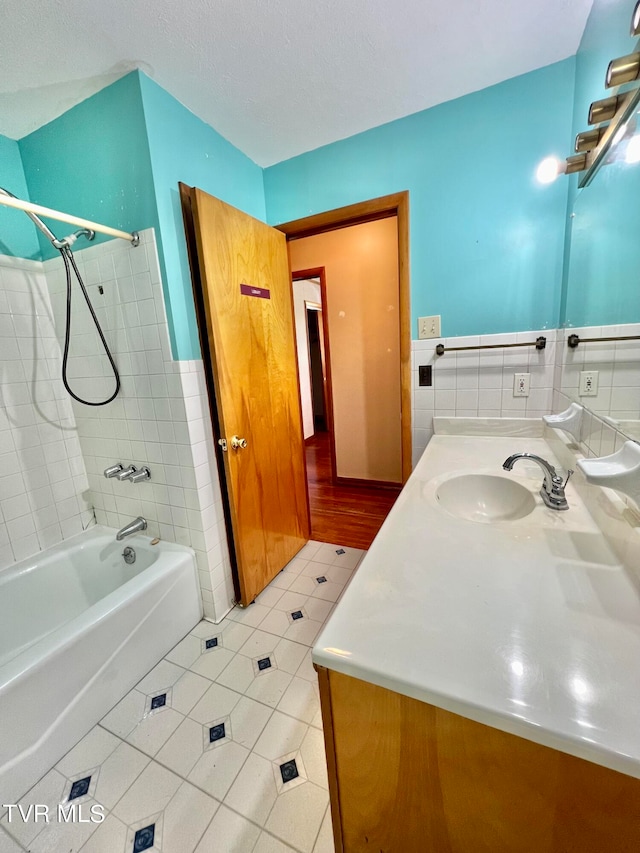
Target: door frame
319,273
396,204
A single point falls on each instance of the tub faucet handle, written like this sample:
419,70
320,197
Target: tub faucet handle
140,475
112,470
126,473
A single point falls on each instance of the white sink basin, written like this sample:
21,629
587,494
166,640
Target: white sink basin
485,498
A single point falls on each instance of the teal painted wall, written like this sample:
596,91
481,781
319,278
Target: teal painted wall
17,233
486,240
602,280
93,161
183,148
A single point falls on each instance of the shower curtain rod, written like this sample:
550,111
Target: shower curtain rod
29,207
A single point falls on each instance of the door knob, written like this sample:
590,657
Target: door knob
238,443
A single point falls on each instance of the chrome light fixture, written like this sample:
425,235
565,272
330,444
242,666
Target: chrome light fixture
624,69
605,109
576,163
635,20
588,139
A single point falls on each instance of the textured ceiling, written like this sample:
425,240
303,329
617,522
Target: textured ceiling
276,77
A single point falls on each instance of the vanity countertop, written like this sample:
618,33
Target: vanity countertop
530,625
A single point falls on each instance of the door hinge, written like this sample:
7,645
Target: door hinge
223,444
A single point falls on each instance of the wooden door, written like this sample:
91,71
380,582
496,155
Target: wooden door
247,304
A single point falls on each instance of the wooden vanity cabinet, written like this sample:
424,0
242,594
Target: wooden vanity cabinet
407,777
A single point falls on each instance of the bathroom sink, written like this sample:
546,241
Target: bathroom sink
485,498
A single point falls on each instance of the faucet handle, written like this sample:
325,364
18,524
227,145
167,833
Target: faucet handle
112,470
570,471
140,475
126,473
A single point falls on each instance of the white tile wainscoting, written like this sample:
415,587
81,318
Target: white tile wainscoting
479,383
219,748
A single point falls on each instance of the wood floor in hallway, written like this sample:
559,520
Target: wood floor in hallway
351,515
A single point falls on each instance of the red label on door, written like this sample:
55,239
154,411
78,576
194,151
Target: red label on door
260,292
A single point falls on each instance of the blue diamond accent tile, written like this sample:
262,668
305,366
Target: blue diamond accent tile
264,663
216,733
159,701
321,579
297,614
289,771
143,839
211,643
80,788
341,551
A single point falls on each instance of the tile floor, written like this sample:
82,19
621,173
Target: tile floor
219,749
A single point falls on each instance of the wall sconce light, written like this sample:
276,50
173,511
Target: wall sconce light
576,163
635,20
588,139
605,109
624,69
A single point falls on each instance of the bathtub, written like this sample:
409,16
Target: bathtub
79,627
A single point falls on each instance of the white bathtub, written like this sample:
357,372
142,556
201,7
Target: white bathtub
78,629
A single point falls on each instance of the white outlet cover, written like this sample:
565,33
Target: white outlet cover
521,384
588,383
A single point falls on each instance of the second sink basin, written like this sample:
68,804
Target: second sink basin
485,498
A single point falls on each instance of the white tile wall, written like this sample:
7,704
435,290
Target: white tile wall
43,481
479,383
159,419
618,366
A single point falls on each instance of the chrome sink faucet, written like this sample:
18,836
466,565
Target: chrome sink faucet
552,491
134,526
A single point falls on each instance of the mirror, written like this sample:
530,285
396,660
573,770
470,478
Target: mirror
602,283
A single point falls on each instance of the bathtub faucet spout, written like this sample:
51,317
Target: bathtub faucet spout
134,526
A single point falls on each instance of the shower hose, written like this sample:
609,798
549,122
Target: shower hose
69,263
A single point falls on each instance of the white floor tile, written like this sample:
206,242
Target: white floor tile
269,687
210,664
318,609
268,844
186,652
234,634
165,674
269,596
254,791
60,836
150,793
324,842
8,845
248,720
281,735
109,837
91,751
154,731
297,815
283,580
304,631
238,673
303,584
48,791
300,700
306,670
228,832
251,615
290,601
328,591
216,769
188,690
217,702
275,622
183,749
313,755
126,715
310,550
186,819
118,773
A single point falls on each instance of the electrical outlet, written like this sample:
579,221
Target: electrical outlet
428,327
521,384
588,383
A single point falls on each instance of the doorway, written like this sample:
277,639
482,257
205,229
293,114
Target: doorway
358,332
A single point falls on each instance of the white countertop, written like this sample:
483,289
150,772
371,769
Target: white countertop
531,626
